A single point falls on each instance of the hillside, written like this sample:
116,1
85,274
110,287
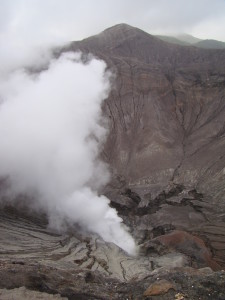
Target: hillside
167,113
210,44
173,40
189,40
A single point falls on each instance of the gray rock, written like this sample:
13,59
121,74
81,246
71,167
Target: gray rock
24,294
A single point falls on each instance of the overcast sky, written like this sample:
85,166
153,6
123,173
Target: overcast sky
53,21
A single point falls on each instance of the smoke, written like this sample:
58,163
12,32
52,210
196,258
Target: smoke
51,134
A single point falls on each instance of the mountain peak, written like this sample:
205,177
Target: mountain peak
121,26
123,29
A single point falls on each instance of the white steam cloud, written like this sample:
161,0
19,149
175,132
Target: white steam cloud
51,131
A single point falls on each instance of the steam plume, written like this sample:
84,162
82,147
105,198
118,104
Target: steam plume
51,131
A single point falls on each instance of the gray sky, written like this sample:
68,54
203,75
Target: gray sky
52,21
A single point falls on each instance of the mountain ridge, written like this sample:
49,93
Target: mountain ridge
188,40
145,47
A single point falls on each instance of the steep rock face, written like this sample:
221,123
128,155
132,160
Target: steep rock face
166,115
166,111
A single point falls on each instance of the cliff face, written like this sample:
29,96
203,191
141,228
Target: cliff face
166,112
166,117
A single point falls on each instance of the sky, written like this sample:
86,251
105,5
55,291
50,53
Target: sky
39,22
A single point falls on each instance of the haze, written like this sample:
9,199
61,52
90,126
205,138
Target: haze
54,21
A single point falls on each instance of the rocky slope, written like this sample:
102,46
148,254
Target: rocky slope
165,147
36,263
166,117
166,111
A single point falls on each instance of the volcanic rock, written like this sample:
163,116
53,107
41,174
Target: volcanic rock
158,288
190,245
23,294
166,110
